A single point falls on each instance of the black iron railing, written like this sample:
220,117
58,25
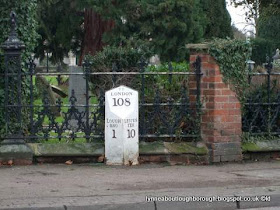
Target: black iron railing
161,115
261,109
36,109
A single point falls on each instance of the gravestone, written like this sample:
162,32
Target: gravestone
276,60
78,84
121,126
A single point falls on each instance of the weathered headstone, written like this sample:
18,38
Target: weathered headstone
121,126
276,60
77,83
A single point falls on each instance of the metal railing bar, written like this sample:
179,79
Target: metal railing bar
264,104
105,73
97,105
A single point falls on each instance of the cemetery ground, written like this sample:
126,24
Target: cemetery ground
95,186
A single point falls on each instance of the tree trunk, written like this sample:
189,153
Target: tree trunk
94,28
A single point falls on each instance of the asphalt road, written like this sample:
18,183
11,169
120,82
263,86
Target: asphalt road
91,187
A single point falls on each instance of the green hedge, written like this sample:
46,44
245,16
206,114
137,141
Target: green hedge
263,47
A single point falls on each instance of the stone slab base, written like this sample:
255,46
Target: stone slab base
225,152
265,150
15,154
18,162
64,159
261,156
183,159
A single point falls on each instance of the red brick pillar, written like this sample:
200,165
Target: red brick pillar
221,114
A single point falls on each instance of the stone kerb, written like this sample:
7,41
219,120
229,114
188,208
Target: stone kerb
221,114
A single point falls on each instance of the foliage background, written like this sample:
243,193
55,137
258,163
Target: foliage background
262,47
165,26
231,56
218,20
59,27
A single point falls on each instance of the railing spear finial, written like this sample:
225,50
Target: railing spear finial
13,42
13,24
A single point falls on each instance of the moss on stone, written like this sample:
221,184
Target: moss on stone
15,151
185,148
97,148
68,149
250,147
261,146
156,147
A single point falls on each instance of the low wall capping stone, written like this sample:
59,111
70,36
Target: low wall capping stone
198,47
182,153
15,152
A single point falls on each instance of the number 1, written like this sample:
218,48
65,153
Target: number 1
114,134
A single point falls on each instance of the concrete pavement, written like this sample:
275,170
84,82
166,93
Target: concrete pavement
92,186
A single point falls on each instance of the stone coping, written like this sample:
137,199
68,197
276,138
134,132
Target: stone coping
146,148
261,146
97,149
198,47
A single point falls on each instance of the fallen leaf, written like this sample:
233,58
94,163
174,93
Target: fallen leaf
69,162
101,159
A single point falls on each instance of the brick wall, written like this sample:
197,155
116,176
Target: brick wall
221,113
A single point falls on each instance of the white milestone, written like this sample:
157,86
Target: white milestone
121,126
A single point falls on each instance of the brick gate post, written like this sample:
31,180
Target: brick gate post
221,113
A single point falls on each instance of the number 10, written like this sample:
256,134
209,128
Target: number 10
130,133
